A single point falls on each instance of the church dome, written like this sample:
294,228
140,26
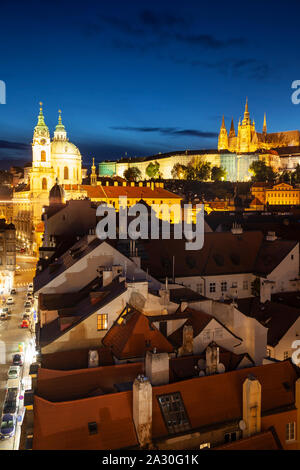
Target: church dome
61,147
57,194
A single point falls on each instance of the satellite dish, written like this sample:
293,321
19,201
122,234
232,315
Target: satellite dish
201,373
242,425
220,368
201,363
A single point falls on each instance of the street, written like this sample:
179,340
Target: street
11,337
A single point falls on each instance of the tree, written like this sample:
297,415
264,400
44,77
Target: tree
218,173
262,172
152,170
296,174
190,172
203,171
178,171
132,174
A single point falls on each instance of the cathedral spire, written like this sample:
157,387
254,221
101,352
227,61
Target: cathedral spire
232,131
265,124
246,119
223,123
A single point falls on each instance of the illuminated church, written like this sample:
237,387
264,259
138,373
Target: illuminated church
249,140
51,160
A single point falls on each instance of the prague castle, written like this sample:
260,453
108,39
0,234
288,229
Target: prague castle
235,153
249,140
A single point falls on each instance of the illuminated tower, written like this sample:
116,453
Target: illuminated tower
232,138
93,174
265,125
247,139
223,137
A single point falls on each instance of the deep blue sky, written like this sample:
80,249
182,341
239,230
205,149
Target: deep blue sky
145,76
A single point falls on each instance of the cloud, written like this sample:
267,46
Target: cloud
250,68
207,40
5,144
168,131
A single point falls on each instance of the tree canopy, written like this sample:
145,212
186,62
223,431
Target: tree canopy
132,174
152,170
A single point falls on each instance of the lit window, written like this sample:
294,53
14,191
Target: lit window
206,335
66,173
102,321
44,183
43,156
290,431
205,445
199,288
285,355
174,412
268,352
234,285
245,285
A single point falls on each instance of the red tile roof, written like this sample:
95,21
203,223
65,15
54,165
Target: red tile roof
215,398
134,336
132,192
267,440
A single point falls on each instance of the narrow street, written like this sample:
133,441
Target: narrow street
13,338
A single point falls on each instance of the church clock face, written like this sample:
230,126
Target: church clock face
43,141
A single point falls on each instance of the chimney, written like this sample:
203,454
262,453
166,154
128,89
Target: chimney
212,359
157,368
236,229
107,277
142,409
271,237
265,291
187,341
251,406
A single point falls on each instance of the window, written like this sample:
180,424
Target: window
292,256
218,333
206,335
43,156
268,352
245,285
234,285
205,445
66,173
102,321
230,437
212,287
290,431
285,355
199,288
44,183
223,286
93,428
174,413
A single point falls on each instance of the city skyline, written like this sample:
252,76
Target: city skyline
151,78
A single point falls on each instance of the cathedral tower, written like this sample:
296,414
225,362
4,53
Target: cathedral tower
223,137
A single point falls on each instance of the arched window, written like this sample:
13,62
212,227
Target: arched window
43,156
66,173
44,183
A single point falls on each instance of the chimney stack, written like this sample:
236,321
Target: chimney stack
251,406
212,359
142,409
157,367
187,341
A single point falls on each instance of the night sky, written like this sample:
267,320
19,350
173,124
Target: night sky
144,77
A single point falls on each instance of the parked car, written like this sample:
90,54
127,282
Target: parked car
26,317
8,426
27,311
30,287
13,292
17,359
10,403
25,324
13,372
10,301
4,315
27,304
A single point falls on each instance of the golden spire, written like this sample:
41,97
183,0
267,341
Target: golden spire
265,124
